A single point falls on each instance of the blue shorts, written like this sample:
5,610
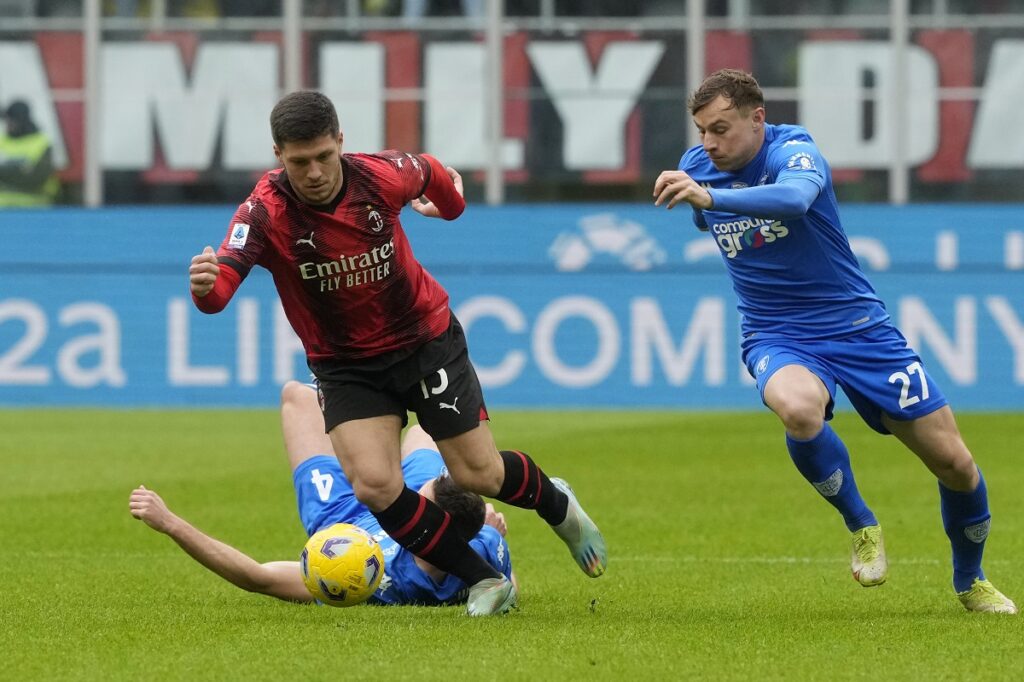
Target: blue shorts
326,497
877,370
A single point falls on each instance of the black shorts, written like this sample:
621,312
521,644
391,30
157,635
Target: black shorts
436,381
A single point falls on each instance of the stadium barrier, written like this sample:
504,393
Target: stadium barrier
611,305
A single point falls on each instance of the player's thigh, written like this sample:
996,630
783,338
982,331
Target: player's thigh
790,378
884,377
302,423
350,396
369,452
449,400
794,388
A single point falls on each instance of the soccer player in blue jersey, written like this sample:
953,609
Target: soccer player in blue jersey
812,321
325,497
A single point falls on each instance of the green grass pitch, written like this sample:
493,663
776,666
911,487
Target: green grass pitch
724,563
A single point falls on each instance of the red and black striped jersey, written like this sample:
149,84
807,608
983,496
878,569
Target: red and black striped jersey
348,281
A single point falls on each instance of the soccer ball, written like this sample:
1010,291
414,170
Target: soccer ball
342,565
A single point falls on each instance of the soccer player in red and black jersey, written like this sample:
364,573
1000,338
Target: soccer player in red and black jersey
380,337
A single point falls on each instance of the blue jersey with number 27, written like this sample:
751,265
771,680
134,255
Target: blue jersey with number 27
793,271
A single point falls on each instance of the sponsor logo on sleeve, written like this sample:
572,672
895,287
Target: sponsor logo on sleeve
801,160
239,234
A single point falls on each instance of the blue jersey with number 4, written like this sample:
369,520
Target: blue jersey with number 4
791,266
326,497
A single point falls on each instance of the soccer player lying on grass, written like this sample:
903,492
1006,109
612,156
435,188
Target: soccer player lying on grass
326,497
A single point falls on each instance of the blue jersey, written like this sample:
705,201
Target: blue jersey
325,497
793,270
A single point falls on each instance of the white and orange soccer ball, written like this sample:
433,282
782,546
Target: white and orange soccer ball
342,565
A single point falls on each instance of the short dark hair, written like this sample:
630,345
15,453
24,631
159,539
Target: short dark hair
739,87
301,116
466,509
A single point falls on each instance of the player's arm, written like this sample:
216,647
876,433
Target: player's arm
699,221
790,197
281,579
495,519
800,177
443,191
214,276
212,284
677,186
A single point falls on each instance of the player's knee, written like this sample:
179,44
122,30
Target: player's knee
291,392
959,472
802,418
376,492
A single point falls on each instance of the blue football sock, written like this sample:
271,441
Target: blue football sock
825,463
966,518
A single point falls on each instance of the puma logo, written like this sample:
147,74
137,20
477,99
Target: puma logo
249,205
307,241
451,407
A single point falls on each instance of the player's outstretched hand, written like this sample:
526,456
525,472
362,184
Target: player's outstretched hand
495,519
147,506
676,187
423,206
202,274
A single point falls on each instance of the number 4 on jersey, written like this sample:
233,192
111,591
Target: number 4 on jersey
323,483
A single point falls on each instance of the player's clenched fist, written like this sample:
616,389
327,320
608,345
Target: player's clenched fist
202,274
147,506
676,187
